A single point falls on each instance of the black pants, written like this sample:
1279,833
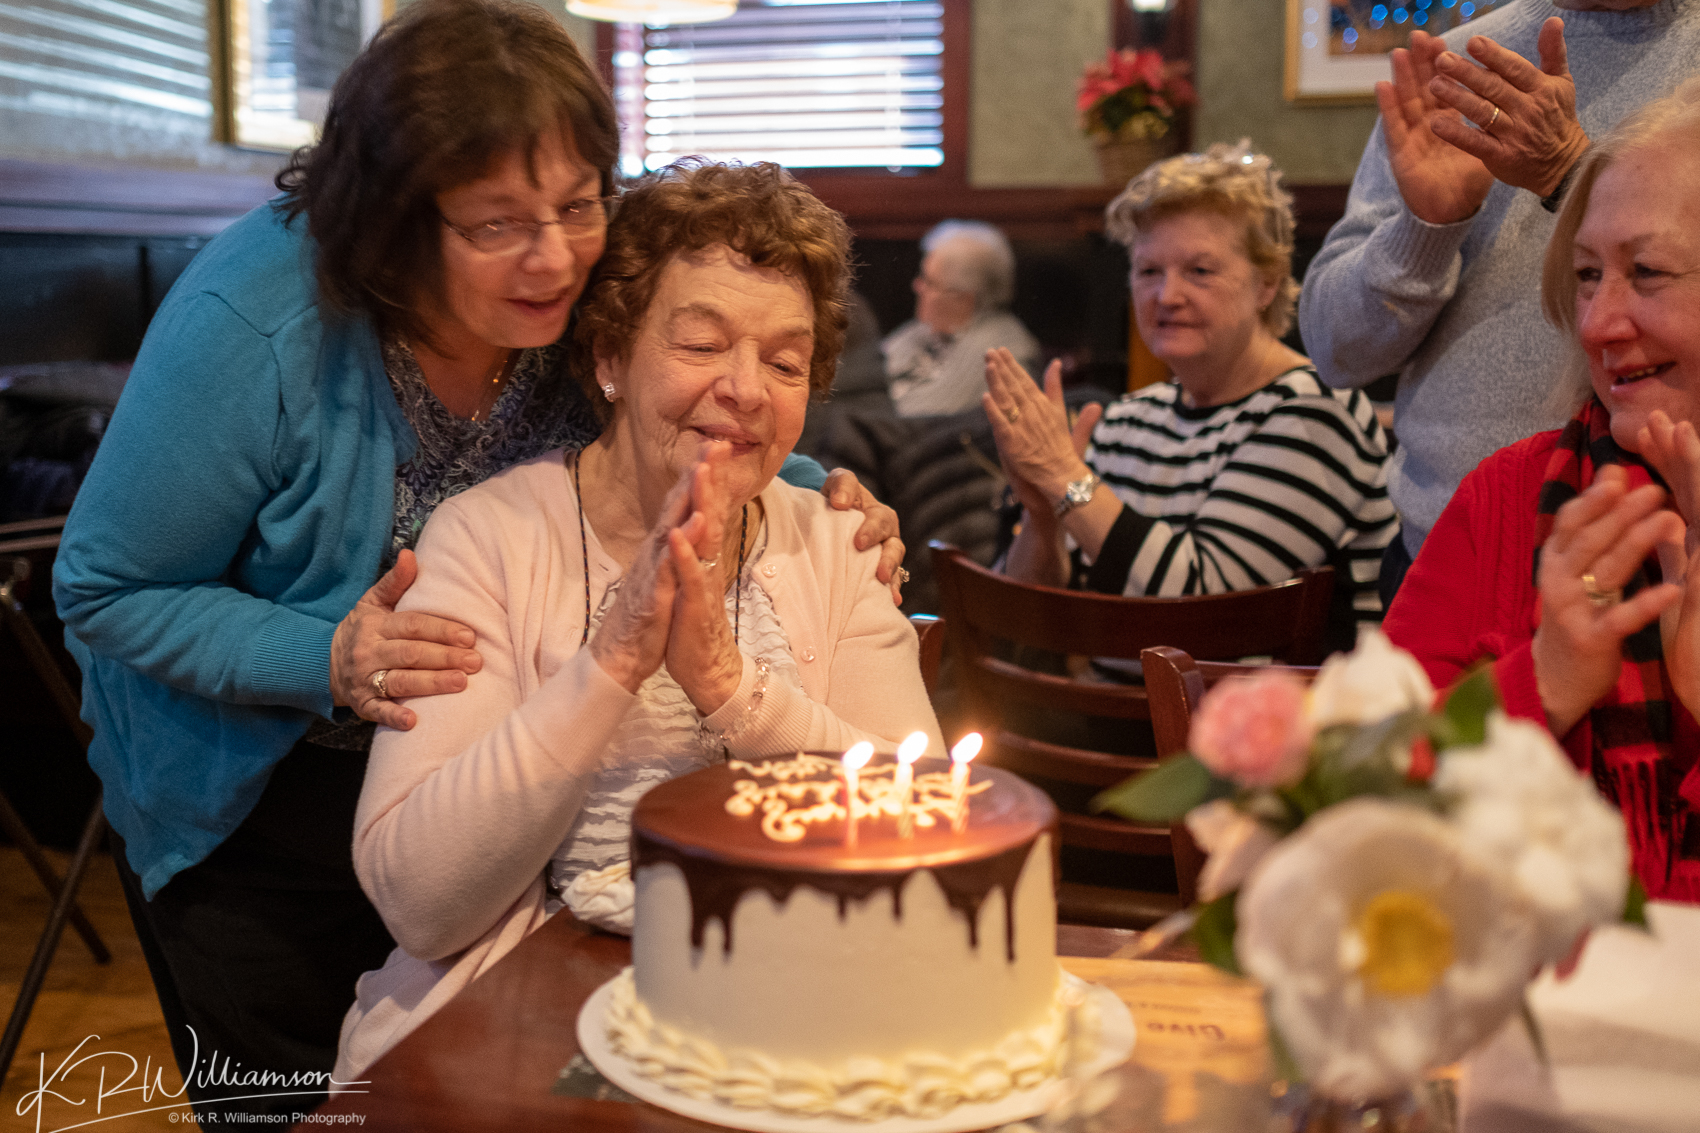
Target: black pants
257,948
1395,561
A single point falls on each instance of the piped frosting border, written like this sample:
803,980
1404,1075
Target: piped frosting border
869,1089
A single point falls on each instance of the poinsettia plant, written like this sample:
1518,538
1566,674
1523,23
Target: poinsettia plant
1132,95
1394,875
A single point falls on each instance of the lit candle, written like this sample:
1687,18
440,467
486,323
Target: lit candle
965,750
854,760
907,753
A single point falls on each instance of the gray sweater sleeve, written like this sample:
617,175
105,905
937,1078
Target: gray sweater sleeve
1382,277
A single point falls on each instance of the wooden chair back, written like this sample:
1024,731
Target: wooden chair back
986,613
1176,683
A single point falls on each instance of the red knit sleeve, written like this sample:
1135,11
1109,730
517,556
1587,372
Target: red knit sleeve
1470,595
1433,616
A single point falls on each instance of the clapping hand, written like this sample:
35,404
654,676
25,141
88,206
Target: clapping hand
1441,183
1040,451
1526,132
702,653
1674,449
1599,540
634,637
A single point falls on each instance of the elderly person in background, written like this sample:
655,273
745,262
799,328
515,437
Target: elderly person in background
936,361
1559,559
645,607
328,370
1242,470
1428,274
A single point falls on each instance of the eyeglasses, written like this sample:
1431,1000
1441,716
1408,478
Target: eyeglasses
510,234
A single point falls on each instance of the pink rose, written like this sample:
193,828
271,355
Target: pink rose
1254,730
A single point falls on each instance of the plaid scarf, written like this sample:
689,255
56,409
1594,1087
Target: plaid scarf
1644,753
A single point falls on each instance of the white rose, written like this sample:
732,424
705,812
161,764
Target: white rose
1387,950
1517,801
1369,684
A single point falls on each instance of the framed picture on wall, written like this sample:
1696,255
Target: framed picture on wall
1338,49
279,61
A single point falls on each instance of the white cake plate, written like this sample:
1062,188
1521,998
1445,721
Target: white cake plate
1115,1042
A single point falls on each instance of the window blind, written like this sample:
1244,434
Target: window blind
854,83
129,63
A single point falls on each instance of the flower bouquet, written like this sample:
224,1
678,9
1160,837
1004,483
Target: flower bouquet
1394,876
1127,106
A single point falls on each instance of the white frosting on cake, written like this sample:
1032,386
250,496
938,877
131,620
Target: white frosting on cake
870,1014
917,1084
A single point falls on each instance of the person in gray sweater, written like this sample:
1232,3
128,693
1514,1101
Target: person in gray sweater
1434,271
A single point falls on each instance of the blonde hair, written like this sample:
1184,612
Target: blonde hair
1233,180
1677,113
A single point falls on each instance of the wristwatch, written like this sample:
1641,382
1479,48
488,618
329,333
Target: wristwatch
1078,494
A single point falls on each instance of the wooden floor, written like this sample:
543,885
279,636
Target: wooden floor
106,1014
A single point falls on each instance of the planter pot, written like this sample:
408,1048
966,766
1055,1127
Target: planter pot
1122,161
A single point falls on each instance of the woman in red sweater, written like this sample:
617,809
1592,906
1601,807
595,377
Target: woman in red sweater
1563,558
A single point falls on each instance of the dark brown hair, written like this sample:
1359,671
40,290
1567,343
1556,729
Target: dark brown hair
444,90
758,210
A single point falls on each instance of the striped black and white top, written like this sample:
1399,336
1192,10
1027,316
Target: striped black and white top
1245,494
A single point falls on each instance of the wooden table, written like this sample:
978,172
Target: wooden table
489,1060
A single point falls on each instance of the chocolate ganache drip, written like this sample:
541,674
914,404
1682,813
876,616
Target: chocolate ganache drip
723,856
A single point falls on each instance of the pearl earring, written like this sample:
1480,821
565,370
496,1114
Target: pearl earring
608,390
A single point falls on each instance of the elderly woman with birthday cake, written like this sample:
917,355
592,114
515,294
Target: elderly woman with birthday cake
653,604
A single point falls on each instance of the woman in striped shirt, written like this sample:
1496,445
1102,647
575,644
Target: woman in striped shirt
1242,470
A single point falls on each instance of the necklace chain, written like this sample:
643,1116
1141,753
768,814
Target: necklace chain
584,557
491,390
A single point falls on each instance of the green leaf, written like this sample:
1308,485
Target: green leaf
1163,794
1635,904
1360,761
1466,709
1214,933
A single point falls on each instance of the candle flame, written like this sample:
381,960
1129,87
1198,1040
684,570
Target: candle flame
857,757
966,748
911,748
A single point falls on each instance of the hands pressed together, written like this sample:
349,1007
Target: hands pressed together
1598,543
421,655
1453,126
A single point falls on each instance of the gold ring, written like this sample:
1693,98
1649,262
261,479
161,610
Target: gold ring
710,564
380,681
1013,413
1600,599
1495,117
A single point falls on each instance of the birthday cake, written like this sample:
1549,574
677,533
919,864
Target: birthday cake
777,966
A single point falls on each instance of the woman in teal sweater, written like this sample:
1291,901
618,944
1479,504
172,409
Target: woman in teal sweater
328,370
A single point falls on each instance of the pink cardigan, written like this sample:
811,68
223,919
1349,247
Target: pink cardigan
458,818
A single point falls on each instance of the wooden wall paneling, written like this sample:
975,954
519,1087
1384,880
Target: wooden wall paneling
125,200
